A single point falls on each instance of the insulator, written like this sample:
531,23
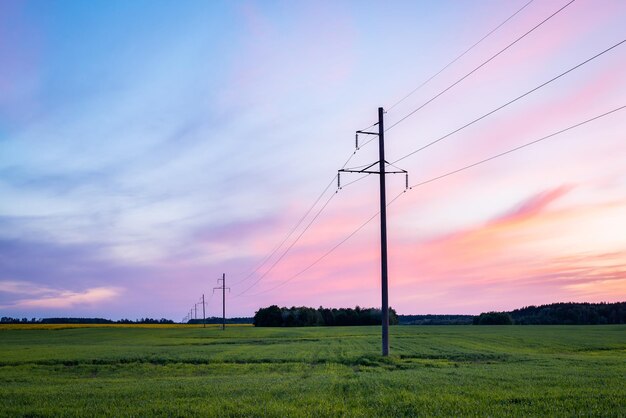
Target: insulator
356,141
406,181
338,180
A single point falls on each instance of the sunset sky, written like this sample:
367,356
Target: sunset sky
147,147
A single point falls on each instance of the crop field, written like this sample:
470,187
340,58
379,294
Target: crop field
244,371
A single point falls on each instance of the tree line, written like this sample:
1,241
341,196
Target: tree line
274,316
571,314
558,314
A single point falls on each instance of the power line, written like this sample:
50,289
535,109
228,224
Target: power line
458,57
480,66
351,156
493,157
435,179
356,167
510,101
293,243
365,143
202,301
289,247
299,236
276,248
371,126
327,253
297,225
354,181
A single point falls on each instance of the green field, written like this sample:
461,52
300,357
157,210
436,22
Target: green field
246,371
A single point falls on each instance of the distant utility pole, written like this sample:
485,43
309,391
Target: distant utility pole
223,287
203,314
383,217
195,311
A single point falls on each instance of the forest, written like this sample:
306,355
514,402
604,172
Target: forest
558,314
571,314
274,316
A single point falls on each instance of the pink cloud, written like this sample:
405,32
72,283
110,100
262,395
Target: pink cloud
514,259
553,113
520,254
38,297
535,205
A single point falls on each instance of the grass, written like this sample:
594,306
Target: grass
245,371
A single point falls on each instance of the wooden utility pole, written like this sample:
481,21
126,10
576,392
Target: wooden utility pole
383,219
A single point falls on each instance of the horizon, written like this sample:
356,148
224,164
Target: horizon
147,148
320,307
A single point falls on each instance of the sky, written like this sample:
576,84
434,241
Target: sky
148,147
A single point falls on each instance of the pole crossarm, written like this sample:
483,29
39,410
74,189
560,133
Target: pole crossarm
373,172
366,170
363,170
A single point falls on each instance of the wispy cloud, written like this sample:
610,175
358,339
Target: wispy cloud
522,256
31,295
534,205
23,288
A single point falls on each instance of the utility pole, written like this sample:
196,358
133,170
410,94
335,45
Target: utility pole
383,232
223,288
203,314
195,311
383,218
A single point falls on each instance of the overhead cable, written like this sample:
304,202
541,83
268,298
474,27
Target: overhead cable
458,57
479,67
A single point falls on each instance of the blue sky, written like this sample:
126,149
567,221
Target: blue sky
147,147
